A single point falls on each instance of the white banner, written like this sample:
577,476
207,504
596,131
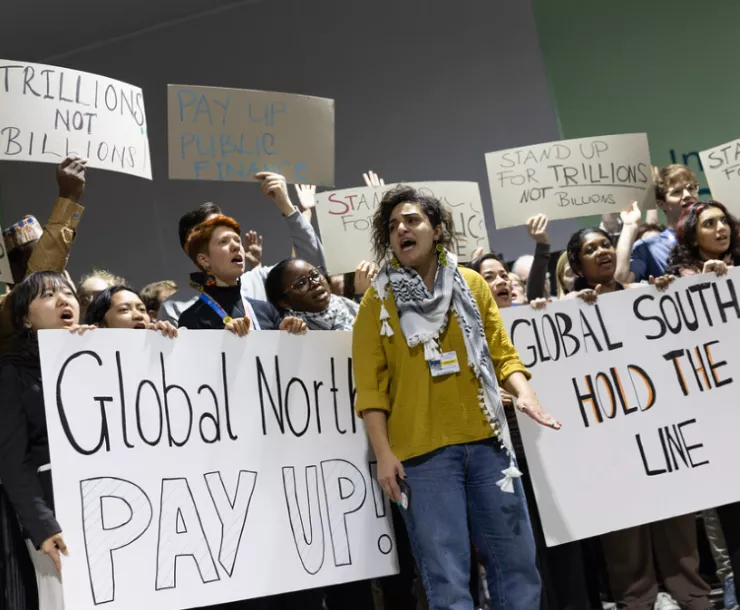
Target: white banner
644,384
345,219
571,178
208,468
49,112
722,168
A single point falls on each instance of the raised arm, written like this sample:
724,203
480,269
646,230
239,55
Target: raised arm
52,251
631,218
537,280
304,239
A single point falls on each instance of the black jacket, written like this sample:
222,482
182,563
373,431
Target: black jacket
24,447
200,315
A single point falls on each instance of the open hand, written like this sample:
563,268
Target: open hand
364,275
306,195
537,228
253,249
372,179
530,406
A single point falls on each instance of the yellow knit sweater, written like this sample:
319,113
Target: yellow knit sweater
425,412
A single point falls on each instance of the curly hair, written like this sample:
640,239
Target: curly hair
575,243
685,254
432,207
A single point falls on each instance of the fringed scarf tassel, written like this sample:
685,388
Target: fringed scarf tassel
385,327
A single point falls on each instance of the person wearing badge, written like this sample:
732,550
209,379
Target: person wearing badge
215,246
429,352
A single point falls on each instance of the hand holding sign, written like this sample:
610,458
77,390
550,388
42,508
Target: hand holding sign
632,215
537,228
275,187
372,179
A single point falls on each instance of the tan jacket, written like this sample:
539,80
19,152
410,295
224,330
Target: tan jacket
50,254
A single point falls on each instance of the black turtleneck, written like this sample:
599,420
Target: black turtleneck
200,315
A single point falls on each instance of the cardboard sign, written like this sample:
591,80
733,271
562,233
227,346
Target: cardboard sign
209,469
722,169
50,112
645,385
345,220
571,178
232,134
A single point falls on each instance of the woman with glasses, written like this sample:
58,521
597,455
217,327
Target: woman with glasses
299,289
215,246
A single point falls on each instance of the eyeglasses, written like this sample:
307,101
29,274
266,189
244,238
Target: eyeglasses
303,283
678,190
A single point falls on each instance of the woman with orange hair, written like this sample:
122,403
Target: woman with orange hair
215,246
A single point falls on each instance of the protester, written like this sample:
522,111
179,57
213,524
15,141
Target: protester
122,307
561,567
299,289
215,246
44,300
92,284
707,237
156,293
305,242
676,188
30,250
564,275
633,555
430,430
518,288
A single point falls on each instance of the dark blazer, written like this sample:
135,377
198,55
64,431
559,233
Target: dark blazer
24,447
200,315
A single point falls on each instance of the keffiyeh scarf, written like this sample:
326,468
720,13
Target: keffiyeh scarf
340,314
424,316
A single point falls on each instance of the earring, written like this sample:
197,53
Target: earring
210,279
442,254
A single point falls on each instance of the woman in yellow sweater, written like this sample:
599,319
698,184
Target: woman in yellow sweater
429,353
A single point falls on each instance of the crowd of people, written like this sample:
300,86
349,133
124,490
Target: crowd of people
437,377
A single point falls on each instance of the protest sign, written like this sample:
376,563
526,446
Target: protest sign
208,468
231,134
345,220
50,112
722,169
643,383
571,178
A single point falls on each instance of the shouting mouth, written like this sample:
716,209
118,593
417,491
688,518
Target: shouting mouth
67,316
407,244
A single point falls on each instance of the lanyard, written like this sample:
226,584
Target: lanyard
226,318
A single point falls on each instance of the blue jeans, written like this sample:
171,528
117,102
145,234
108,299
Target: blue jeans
455,486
